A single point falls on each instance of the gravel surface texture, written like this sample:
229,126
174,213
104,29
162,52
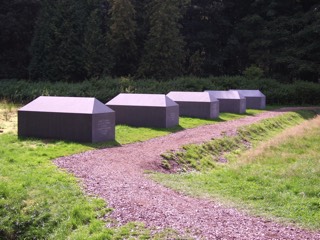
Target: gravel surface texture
117,175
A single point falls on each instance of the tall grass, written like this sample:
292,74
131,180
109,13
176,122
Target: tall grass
278,178
208,155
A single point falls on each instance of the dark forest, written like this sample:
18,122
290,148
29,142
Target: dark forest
74,40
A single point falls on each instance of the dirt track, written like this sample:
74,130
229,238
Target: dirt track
117,175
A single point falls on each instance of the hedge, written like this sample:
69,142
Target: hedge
104,89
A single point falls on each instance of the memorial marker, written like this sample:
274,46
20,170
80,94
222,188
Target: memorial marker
196,104
254,98
67,118
145,110
230,101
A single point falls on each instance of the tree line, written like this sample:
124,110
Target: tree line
73,40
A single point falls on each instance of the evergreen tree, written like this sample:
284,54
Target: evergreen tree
196,62
142,24
206,31
307,46
234,52
17,19
164,54
122,37
97,57
77,39
281,37
57,48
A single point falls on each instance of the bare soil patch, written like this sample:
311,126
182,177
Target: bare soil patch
117,175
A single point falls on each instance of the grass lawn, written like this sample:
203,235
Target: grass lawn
278,178
40,201
127,134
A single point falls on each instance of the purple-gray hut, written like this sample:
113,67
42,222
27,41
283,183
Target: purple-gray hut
196,104
145,110
67,118
254,98
230,101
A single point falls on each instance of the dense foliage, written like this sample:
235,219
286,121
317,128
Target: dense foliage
76,40
104,89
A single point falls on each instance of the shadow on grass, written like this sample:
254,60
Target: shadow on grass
47,141
102,145
177,128
128,134
305,112
226,116
308,114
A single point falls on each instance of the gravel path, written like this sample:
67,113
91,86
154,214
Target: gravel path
117,175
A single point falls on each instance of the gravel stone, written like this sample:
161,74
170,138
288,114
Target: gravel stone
118,175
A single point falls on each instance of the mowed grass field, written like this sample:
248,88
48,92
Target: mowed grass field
40,201
278,177
127,134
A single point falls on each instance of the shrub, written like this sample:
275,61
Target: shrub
106,88
253,72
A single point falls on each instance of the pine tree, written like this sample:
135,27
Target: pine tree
164,54
281,37
97,57
123,37
142,24
206,31
17,19
57,48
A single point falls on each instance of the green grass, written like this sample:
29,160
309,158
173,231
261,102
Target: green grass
208,155
128,134
125,134
186,122
40,201
279,178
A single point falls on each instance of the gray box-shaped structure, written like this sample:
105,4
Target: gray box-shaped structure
254,98
230,101
196,104
67,118
145,110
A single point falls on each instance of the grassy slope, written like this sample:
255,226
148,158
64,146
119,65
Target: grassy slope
37,200
278,178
